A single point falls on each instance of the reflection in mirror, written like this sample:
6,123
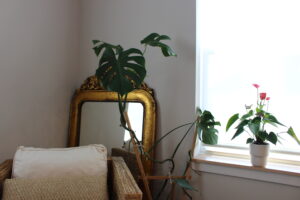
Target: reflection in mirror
136,115
100,124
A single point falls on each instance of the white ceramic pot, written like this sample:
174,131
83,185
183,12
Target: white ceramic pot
259,154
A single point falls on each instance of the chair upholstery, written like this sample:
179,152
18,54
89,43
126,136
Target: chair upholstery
121,184
5,172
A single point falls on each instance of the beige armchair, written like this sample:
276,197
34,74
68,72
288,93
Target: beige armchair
121,184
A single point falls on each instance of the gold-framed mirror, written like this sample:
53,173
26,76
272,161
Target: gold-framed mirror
94,109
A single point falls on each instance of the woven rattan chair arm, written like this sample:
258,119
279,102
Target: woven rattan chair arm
5,172
124,185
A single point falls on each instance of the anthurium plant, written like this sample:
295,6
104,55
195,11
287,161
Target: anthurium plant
254,122
123,70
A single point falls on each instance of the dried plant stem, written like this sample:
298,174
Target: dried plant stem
138,158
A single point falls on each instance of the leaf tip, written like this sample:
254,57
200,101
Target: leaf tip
95,41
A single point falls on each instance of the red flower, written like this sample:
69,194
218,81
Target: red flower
256,85
268,98
263,96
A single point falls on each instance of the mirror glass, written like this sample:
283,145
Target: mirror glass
95,118
100,124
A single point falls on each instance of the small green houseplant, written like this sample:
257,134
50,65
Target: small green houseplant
123,71
254,123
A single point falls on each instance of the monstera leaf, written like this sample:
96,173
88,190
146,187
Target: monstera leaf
154,40
119,70
206,127
122,70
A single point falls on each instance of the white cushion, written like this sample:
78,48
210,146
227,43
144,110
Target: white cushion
32,162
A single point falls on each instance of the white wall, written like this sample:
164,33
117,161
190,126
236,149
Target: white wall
38,72
128,22
215,187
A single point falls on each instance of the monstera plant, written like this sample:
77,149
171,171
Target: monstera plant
123,70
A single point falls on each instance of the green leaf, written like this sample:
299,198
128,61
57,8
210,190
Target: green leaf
209,136
102,46
258,110
149,38
120,71
198,111
237,133
207,116
269,122
254,127
256,120
163,37
217,124
166,50
205,127
232,120
242,124
273,119
293,134
211,123
249,114
262,135
184,184
272,138
95,41
154,40
250,140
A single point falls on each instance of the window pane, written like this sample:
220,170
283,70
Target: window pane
245,42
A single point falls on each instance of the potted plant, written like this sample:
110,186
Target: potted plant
254,122
123,71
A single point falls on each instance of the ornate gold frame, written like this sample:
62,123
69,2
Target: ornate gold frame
92,91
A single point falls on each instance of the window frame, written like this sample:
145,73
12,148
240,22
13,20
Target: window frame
276,156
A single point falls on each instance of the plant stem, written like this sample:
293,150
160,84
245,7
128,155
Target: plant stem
248,132
172,159
123,121
160,139
257,99
281,132
161,189
178,145
145,49
187,194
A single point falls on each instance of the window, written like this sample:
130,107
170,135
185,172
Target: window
243,42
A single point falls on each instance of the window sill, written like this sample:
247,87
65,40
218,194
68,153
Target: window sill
240,167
